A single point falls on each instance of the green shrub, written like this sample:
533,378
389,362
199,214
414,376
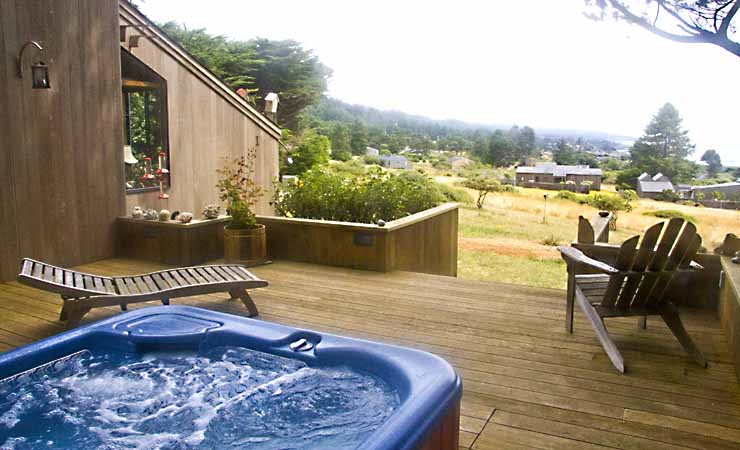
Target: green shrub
629,195
551,241
567,195
484,186
376,195
670,214
341,155
441,165
667,196
455,194
611,203
370,159
351,167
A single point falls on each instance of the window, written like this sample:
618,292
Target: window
144,124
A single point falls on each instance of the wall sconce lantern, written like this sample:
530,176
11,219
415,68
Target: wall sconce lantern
40,76
39,71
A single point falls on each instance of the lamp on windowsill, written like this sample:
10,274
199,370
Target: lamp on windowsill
39,70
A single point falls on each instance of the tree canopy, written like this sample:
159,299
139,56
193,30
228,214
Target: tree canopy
688,21
664,146
502,149
713,160
260,66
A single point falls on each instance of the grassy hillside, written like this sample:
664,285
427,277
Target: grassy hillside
508,241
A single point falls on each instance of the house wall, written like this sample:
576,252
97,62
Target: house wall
206,125
61,171
548,178
61,163
729,190
579,179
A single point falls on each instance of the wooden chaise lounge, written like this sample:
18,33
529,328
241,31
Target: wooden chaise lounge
83,291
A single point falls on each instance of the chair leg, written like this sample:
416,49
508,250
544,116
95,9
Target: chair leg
642,323
75,313
569,300
601,332
243,295
63,312
669,313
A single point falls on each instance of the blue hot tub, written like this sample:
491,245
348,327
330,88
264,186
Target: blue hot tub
179,377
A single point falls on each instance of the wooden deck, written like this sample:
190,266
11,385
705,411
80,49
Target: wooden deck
527,384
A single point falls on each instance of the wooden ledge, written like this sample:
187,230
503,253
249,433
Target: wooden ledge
365,227
195,223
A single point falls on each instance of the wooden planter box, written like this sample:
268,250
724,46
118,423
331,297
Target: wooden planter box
423,242
729,308
171,242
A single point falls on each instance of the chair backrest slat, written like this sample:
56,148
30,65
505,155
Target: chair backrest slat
642,260
625,259
658,264
684,259
585,231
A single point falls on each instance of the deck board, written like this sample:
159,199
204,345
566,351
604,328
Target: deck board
527,384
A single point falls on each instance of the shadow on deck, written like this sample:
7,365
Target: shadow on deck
527,384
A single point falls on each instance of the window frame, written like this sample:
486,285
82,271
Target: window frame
164,119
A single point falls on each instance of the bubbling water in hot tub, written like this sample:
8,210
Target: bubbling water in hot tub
226,397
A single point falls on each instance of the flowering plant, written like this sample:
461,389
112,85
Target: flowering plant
240,192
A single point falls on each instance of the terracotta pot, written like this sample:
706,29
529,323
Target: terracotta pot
247,247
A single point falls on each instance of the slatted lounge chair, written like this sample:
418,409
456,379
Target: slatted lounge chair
637,284
83,291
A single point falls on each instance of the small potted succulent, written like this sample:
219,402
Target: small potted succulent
244,239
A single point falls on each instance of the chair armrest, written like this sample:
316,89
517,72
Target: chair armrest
572,255
693,265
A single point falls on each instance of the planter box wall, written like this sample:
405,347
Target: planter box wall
423,242
171,242
729,308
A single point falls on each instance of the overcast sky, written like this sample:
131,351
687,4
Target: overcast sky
539,63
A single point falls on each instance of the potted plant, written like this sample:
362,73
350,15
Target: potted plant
244,239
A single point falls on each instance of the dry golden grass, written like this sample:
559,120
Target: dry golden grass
504,241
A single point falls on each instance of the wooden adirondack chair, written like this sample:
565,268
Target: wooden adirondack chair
636,285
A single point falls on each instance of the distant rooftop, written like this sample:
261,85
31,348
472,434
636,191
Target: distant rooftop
559,170
720,185
655,186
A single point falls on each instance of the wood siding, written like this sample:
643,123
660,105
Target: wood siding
61,169
205,126
61,165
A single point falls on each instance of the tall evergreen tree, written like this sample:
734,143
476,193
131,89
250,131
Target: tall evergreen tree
664,146
260,66
713,160
501,150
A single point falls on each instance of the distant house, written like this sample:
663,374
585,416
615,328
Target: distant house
457,162
369,151
411,151
395,162
650,187
729,190
554,176
683,190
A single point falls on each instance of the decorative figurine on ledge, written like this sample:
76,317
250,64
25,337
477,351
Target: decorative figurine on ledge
185,217
151,214
211,211
164,215
137,212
